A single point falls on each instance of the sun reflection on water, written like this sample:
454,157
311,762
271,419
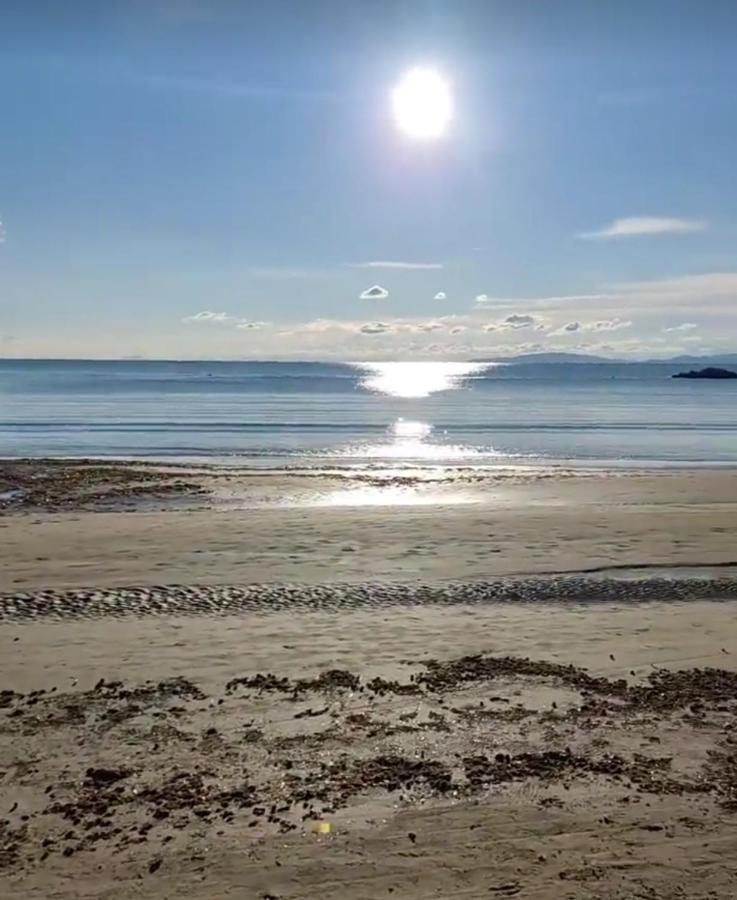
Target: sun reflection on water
411,441
417,379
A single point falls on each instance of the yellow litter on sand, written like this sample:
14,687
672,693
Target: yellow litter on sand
323,828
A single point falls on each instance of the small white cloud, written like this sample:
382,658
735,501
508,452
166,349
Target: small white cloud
320,326
568,328
375,292
635,226
251,326
482,298
441,295
395,264
2,232
519,321
684,326
375,328
586,327
608,325
491,327
429,326
208,315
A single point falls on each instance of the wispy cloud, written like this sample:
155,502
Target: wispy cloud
430,326
608,325
395,264
375,292
245,325
2,232
597,326
539,302
513,322
568,328
207,315
711,291
441,295
375,328
449,324
519,321
321,326
684,326
637,226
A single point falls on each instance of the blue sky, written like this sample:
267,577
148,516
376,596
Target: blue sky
181,178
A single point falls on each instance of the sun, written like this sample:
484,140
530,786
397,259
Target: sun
422,104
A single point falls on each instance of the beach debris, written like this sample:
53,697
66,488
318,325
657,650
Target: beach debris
58,484
101,777
311,713
508,888
135,796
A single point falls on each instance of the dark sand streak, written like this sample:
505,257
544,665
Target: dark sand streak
187,600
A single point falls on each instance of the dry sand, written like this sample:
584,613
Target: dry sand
477,778
144,793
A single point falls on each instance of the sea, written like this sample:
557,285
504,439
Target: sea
277,414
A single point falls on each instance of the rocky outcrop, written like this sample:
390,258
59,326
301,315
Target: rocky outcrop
709,372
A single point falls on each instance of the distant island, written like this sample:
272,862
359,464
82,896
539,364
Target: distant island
562,358
709,372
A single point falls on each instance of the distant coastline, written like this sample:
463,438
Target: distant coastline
719,359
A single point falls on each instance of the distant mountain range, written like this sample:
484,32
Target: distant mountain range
722,359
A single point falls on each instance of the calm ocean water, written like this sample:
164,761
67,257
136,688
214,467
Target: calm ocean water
399,413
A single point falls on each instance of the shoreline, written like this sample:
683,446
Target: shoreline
93,526
325,464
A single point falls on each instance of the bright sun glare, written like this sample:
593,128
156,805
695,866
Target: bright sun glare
422,104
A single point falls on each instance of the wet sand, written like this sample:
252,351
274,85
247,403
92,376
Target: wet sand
267,528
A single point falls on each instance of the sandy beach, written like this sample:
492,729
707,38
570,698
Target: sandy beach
112,528
232,688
